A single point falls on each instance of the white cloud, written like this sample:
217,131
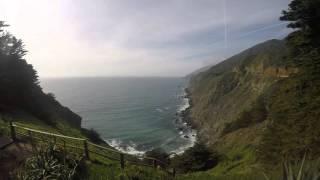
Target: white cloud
129,37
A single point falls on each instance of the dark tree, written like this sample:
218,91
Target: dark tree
304,16
19,84
9,44
196,158
294,107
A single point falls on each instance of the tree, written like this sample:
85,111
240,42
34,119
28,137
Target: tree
19,85
9,44
294,107
196,158
304,16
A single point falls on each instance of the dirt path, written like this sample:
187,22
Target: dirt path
4,141
12,157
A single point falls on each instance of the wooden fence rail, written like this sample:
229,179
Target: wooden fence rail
84,147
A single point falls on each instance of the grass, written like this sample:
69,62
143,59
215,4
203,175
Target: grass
206,176
98,170
98,167
27,120
304,169
237,163
239,160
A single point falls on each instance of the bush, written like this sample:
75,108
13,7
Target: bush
159,154
247,118
197,158
93,135
48,163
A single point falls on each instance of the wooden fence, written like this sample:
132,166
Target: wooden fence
86,148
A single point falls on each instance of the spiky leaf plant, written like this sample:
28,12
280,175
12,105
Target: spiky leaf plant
46,163
303,169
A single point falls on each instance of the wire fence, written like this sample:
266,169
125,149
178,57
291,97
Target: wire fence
83,147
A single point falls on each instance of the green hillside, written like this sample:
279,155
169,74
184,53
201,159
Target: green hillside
262,106
220,94
228,108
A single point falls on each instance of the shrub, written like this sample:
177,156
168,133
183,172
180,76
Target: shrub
197,158
93,135
304,169
48,163
247,118
159,154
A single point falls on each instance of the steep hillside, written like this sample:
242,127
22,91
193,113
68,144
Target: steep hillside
203,69
262,105
220,94
261,108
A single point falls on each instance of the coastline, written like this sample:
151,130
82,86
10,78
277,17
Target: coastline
184,123
186,113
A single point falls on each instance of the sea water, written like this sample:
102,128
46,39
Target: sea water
134,115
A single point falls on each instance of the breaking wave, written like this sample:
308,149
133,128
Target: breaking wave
128,148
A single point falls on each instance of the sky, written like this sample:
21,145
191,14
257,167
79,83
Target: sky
79,38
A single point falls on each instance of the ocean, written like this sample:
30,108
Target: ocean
134,115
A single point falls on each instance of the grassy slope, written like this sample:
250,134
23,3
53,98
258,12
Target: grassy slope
27,120
98,167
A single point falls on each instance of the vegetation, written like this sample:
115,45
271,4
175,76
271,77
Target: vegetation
93,135
257,114
258,111
265,99
227,90
159,154
49,163
302,169
19,85
140,173
294,113
197,158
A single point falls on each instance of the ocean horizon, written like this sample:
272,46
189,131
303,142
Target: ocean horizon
132,114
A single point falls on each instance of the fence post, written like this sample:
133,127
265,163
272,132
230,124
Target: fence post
64,152
64,146
174,172
122,161
86,150
31,140
13,131
54,140
154,164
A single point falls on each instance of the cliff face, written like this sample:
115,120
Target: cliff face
221,94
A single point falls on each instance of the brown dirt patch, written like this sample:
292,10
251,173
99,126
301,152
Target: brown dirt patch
12,157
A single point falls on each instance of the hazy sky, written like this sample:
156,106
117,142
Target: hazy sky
138,37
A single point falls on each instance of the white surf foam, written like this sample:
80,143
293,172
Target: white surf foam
187,132
192,136
184,105
159,110
129,148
